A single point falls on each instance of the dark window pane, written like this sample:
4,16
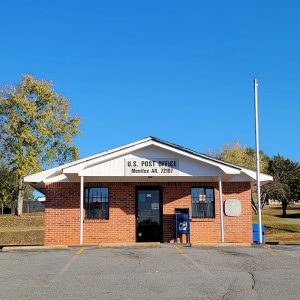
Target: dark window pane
96,203
202,202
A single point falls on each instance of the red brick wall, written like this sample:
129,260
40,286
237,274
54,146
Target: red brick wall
62,214
236,229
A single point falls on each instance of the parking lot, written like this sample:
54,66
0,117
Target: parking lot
166,272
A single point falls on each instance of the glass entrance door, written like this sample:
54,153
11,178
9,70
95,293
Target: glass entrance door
148,215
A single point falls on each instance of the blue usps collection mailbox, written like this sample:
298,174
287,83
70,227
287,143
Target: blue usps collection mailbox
182,223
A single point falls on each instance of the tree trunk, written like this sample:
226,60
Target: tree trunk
253,204
284,207
254,208
19,207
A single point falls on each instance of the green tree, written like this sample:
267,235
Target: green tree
242,156
28,193
286,184
8,185
245,157
36,129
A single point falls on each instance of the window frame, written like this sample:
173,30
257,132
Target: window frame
214,202
108,202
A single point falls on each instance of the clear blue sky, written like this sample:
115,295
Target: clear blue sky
178,70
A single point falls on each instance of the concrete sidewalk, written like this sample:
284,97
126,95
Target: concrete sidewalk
295,220
54,247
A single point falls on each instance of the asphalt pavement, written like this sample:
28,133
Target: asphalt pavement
166,272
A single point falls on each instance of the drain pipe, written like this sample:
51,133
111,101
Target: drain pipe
221,209
81,208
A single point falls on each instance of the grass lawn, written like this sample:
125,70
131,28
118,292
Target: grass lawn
278,229
25,230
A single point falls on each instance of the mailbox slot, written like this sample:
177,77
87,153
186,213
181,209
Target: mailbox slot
182,223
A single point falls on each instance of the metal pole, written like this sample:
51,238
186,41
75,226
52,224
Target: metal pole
81,208
221,209
257,158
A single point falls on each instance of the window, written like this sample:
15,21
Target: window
203,202
96,203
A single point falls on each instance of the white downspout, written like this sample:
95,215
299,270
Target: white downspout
81,208
221,209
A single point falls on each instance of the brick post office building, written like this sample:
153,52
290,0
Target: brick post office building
129,194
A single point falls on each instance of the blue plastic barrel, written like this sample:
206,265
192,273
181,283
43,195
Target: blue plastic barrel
255,233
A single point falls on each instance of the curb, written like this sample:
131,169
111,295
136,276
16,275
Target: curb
221,245
284,243
28,248
129,245
58,247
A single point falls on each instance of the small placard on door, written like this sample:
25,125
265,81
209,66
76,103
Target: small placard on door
154,206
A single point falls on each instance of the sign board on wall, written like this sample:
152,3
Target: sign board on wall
151,166
233,207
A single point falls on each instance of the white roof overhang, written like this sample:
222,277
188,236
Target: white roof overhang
95,167
41,176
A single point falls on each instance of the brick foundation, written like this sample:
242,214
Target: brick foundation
62,214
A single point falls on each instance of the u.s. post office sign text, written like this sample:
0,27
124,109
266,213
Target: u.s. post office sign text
151,166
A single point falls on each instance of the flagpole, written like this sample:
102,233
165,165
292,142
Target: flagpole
257,158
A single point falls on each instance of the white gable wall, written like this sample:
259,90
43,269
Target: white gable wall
110,166
187,166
